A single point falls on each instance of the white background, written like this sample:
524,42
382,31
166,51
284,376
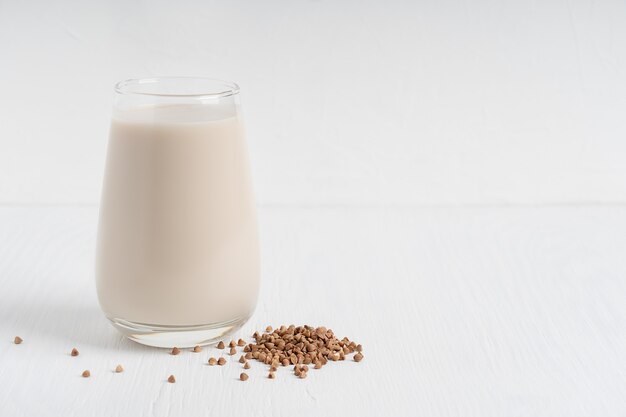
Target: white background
446,176
347,102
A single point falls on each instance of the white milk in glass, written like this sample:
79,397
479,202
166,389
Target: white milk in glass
177,241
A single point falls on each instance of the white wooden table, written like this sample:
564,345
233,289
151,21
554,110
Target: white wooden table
468,312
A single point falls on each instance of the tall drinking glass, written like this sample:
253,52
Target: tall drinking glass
177,260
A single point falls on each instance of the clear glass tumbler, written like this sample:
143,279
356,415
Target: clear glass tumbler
177,260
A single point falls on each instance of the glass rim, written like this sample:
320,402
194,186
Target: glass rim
129,87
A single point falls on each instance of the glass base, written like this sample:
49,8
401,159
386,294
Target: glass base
179,336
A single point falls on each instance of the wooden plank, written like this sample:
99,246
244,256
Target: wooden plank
485,312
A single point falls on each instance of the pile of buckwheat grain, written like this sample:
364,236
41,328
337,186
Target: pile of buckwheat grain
290,345
300,346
